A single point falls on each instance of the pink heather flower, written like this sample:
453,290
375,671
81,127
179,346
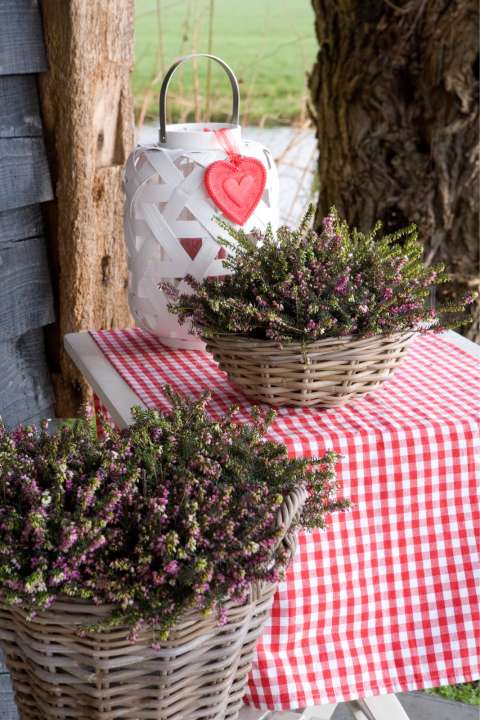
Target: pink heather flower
169,290
328,223
134,500
89,411
342,285
388,294
70,538
172,567
363,309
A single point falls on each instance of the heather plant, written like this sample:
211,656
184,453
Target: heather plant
303,285
176,512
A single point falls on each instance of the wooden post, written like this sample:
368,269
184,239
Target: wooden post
88,117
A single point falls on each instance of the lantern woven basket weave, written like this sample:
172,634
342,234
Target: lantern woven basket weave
326,373
200,672
170,219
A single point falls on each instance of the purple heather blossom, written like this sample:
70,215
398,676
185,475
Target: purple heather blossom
70,537
302,285
172,567
117,519
342,285
328,223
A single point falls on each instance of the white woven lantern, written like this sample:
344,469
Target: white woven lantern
170,225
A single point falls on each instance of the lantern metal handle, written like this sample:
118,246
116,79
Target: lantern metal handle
166,83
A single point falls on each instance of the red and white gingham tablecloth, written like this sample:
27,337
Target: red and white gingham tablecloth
386,599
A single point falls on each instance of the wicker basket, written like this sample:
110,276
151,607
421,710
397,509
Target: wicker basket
326,373
199,673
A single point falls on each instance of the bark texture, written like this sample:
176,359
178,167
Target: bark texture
88,116
394,96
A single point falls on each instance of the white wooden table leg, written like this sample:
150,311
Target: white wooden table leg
249,713
357,711
382,707
319,712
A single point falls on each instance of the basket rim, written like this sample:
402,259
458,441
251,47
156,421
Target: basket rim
303,346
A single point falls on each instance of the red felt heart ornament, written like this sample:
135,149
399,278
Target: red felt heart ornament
236,186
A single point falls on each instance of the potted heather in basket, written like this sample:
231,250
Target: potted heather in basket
145,560
314,318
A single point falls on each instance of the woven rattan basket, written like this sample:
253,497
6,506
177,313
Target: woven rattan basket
199,673
326,373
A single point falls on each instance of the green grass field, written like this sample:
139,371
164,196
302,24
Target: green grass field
466,692
270,44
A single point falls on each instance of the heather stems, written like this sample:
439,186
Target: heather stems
300,285
176,512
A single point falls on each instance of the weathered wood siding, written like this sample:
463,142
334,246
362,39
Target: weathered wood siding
22,49
25,378
8,709
26,303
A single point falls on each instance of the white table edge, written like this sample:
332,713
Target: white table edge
104,380
462,342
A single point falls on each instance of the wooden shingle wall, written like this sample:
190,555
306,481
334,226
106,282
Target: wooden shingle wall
26,303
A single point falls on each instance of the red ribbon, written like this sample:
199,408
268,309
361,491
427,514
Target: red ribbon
224,139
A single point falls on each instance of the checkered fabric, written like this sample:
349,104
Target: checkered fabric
386,599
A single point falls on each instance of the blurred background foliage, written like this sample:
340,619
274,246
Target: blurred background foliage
270,45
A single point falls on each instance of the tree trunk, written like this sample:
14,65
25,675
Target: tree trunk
394,97
88,115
